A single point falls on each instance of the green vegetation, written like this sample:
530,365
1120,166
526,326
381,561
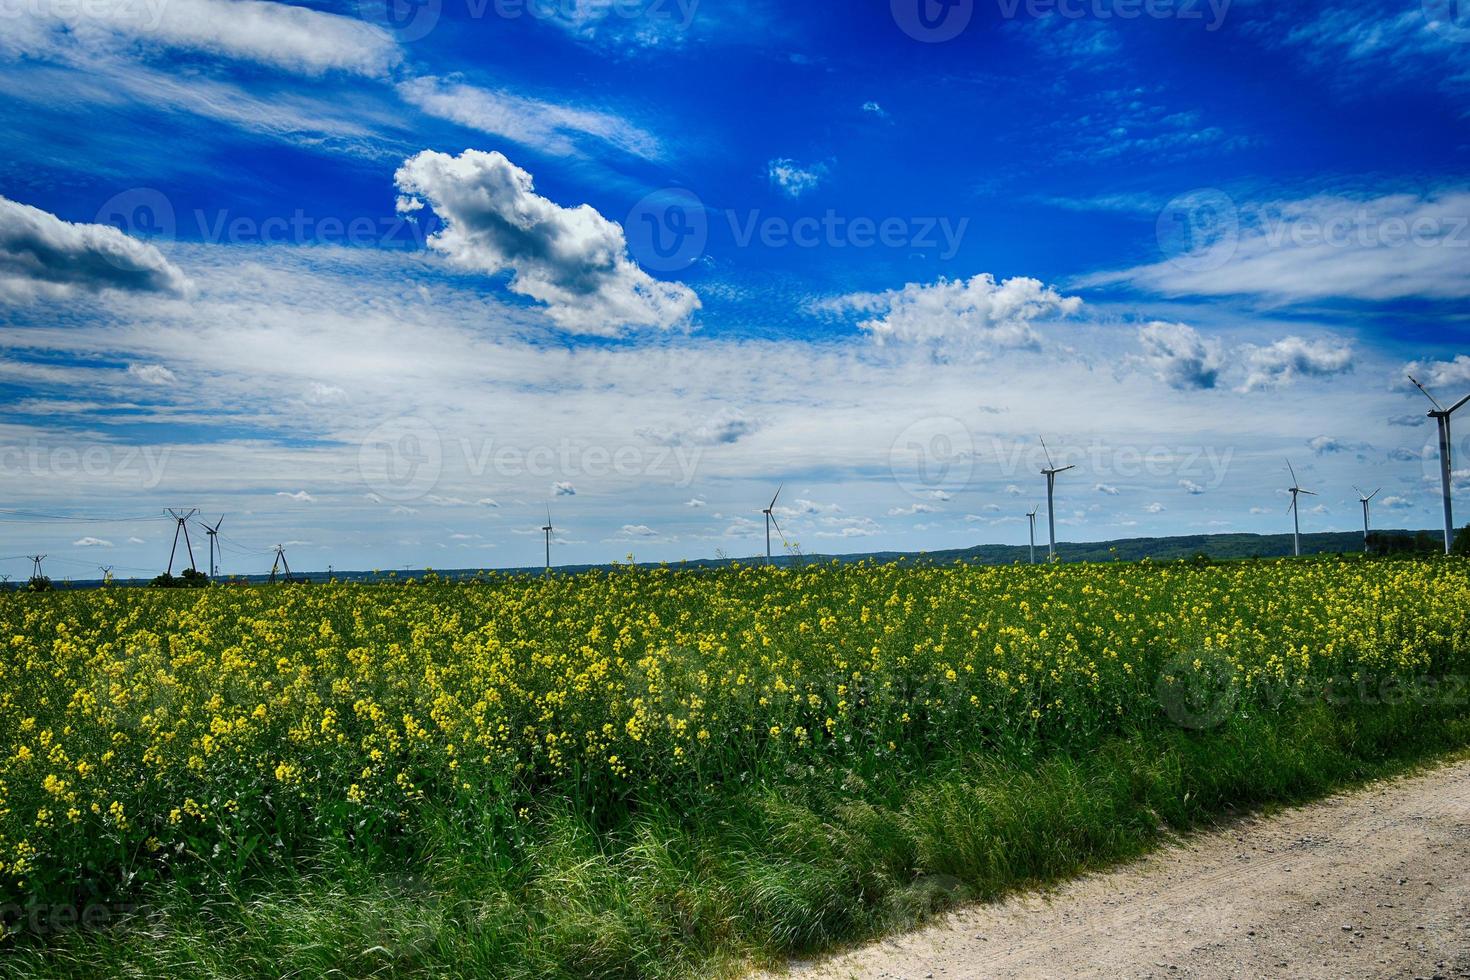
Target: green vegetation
668,773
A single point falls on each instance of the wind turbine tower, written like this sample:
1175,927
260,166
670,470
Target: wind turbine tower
1050,473
547,531
212,532
770,513
1366,500
1296,520
1446,454
1032,518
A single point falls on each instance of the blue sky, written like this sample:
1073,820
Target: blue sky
383,280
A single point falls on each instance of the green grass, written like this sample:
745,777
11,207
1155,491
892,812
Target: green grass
822,859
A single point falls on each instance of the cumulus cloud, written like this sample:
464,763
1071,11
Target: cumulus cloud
723,428
1104,488
151,374
563,489
1325,445
90,542
279,35
1402,455
1155,508
1179,356
639,531
487,502
911,510
545,126
794,179
1191,488
1396,503
976,312
571,260
1440,374
1291,358
44,257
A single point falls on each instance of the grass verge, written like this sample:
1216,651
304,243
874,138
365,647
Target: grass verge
820,859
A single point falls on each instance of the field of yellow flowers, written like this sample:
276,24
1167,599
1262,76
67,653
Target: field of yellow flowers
645,770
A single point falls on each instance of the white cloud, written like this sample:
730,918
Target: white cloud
545,126
279,35
1439,374
1155,508
1396,503
696,502
151,374
1104,488
300,496
563,489
1375,248
1014,491
639,531
976,312
44,257
875,109
723,428
1179,356
1291,358
1191,488
912,509
487,502
793,178
90,542
572,260
1323,445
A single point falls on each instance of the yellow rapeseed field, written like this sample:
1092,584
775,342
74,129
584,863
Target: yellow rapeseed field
146,731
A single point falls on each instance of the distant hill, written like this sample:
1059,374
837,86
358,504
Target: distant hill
1221,547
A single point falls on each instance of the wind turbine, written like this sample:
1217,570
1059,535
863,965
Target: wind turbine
182,526
1032,518
1365,500
212,531
1442,416
771,519
1050,473
548,529
1296,520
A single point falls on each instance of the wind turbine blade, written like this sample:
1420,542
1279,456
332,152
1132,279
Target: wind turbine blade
1066,468
779,532
1458,405
1357,491
1049,464
1309,493
777,497
1432,399
1376,493
1294,481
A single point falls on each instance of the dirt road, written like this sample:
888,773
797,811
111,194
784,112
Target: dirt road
1373,884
